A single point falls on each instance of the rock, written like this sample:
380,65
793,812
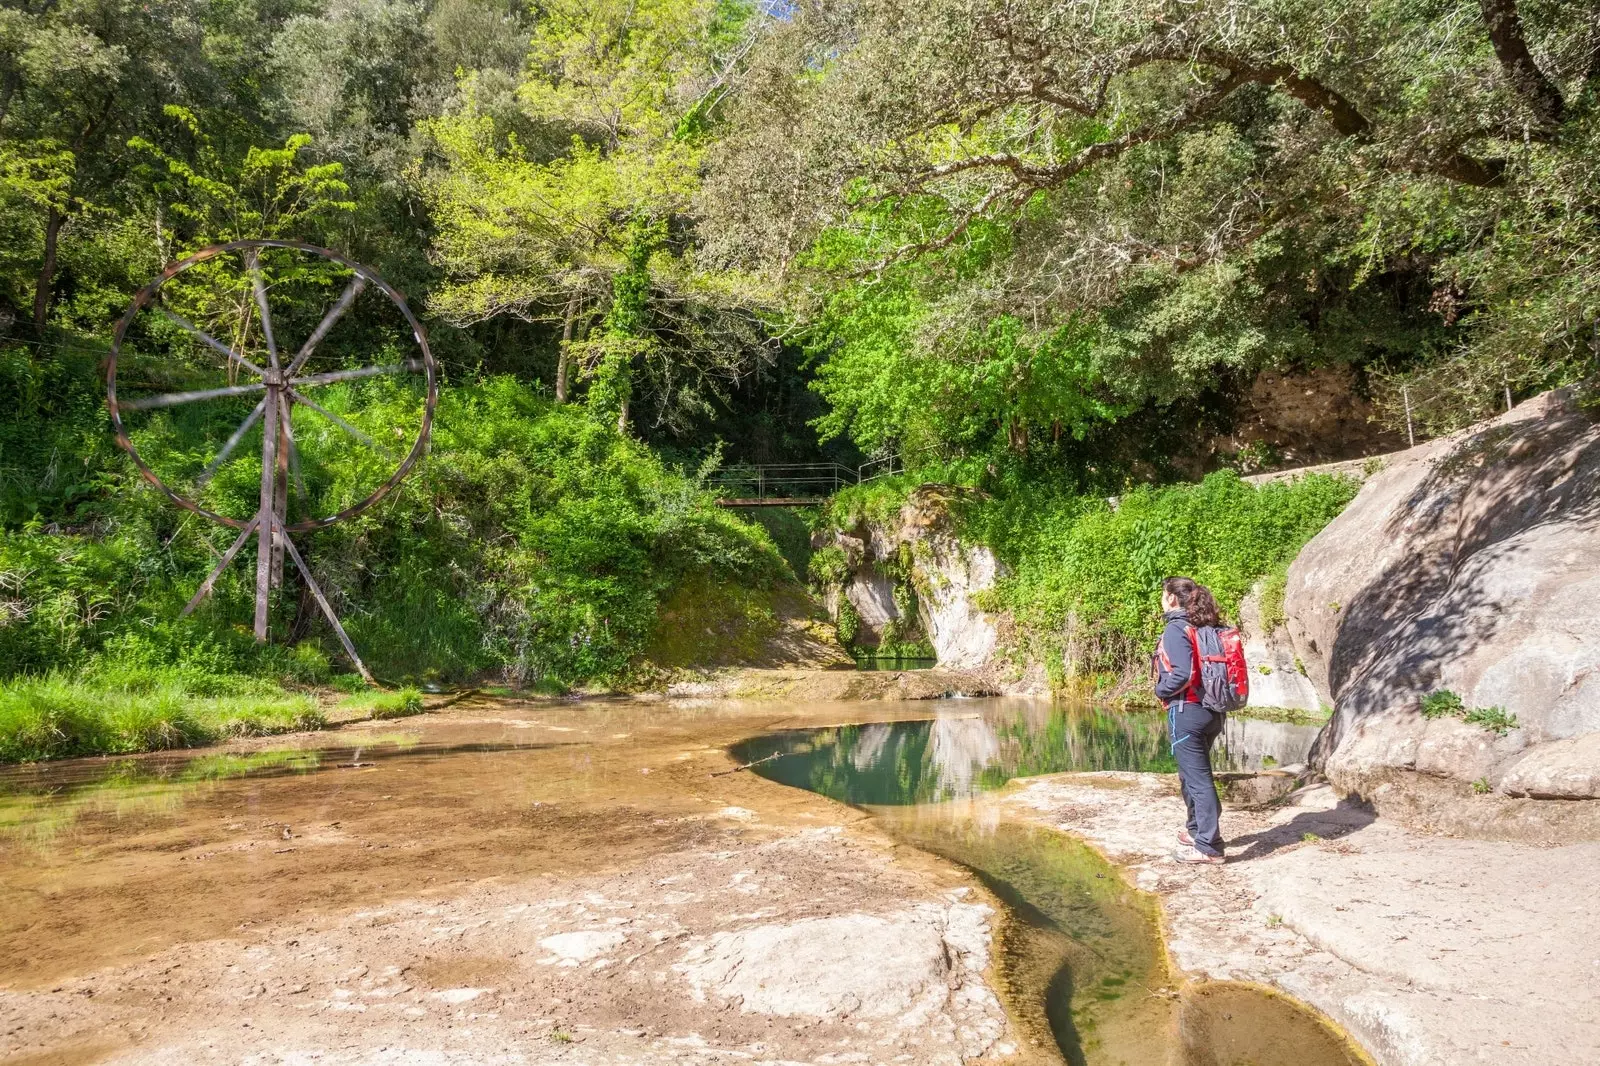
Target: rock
947,573
1562,769
897,966
1471,563
1277,678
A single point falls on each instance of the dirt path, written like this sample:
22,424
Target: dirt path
1431,951
499,883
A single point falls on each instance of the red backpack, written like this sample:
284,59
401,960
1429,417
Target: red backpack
1220,681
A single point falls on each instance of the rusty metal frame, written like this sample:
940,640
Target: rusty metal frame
279,460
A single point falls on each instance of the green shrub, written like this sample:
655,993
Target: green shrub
1496,720
1442,704
534,541
1082,557
829,566
849,623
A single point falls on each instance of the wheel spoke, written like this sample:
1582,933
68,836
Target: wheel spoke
342,424
260,285
294,452
322,601
227,448
233,356
172,399
335,312
222,564
410,365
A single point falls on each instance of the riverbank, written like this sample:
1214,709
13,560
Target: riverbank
1429,950
507,881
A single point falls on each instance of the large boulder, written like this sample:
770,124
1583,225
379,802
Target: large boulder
1472,564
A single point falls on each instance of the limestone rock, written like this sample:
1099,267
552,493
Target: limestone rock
1471,563
1277,677
903,970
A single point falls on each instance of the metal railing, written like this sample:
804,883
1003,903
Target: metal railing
748,483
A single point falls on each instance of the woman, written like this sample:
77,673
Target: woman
1190,608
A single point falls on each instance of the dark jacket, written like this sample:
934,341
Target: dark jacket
1170,684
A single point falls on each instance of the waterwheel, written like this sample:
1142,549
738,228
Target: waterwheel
243,388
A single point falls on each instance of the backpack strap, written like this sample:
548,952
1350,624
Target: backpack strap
1192,693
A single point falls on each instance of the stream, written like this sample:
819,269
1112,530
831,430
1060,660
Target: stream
1081,958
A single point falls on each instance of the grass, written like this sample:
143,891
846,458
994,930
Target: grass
399,704
56,717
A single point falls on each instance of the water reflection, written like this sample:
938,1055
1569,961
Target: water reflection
894,763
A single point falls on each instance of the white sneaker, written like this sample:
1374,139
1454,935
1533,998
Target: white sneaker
1195,857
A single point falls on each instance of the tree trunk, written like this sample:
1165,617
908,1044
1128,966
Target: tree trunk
47,270
622,417
564,360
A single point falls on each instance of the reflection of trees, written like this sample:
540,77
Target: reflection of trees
925,762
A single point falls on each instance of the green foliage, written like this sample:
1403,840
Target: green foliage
848,625
534,541
399,704
1496,720
1081,558
1481,787
829,567
1442,704
1273,587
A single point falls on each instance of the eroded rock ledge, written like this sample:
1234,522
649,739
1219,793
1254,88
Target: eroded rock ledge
1421,947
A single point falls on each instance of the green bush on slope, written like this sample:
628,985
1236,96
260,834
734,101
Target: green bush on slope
534,541
1100,563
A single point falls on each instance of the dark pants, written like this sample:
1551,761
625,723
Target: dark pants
1193,729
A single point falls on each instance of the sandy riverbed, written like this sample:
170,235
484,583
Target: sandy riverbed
519,882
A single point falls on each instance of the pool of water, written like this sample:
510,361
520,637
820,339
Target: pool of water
1080,960
959,756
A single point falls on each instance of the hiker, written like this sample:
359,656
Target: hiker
1191,631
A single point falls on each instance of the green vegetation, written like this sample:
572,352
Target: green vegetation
1087,575
652,237
1496,720
399,704
1442,703
52,717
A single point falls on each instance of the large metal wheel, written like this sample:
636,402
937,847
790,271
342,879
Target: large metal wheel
227,356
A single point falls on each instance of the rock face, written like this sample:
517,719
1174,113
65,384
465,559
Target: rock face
945,574
1472,564
1277,676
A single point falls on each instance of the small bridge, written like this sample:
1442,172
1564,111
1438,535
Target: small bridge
793,484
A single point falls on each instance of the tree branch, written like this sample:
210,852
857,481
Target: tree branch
1504,24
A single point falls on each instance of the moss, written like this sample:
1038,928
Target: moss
1289,715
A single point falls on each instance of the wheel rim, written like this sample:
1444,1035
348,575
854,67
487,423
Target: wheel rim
279,381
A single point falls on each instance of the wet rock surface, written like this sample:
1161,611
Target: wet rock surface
506,883
1426,949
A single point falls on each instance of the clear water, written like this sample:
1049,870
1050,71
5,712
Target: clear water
959,756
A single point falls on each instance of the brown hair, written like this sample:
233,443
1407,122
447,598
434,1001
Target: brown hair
1195,598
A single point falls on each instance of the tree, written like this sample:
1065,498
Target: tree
579,211
77,79
1208,185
